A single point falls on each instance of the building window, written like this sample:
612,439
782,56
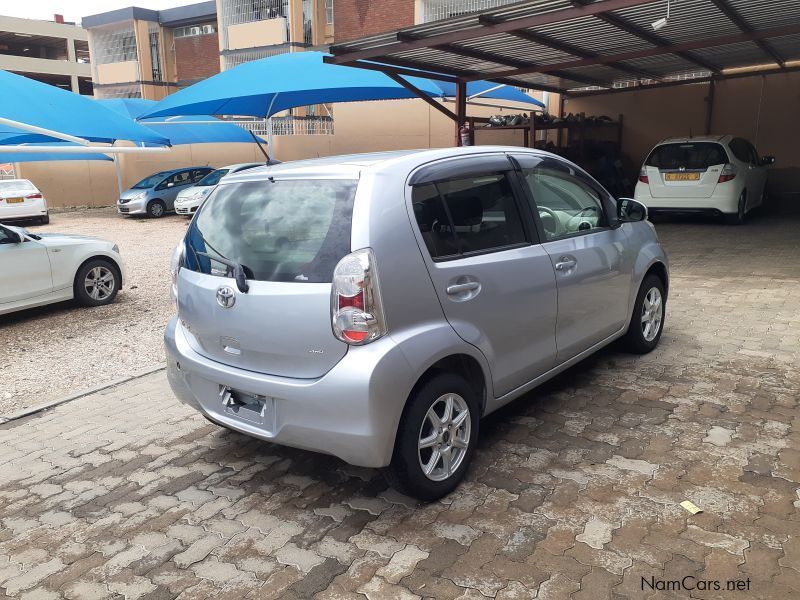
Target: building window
329,11
195,30
155,51
113,44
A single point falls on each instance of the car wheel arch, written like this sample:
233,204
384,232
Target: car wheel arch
104,257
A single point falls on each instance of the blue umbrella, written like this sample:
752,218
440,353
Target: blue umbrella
39,104
489,90
264,87
200,129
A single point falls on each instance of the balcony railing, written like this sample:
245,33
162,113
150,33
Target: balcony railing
434,10
313,125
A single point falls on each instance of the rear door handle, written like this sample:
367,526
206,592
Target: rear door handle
460,288
565,264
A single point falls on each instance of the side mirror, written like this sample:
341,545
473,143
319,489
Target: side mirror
630,210
170,184
767,160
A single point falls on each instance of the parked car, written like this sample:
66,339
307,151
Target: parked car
52,267
155,195
713,175
415,292
190,199
20,199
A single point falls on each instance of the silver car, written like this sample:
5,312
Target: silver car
155,195
376,306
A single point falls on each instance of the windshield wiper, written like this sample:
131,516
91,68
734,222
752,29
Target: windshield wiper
238,270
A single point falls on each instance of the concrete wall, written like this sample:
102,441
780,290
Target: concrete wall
119,72
257,33
94,183
761,108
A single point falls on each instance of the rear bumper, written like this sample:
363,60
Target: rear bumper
27,210
351,412
724,200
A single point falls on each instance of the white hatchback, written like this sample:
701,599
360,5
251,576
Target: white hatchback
51,267
20,199
715,175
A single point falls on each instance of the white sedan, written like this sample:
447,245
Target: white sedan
20,199
715,175
190,199
51,267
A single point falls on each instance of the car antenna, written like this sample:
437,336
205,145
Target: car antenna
260,147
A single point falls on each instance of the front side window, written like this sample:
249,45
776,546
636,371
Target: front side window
565,204
470,214
286,230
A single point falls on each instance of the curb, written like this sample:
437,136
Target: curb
26,412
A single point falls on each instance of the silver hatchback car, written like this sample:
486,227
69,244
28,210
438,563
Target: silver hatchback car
376,306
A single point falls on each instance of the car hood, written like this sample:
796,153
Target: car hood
131,193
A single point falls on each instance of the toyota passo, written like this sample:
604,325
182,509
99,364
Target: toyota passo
376,306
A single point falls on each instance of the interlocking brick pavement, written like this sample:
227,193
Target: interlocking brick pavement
574,492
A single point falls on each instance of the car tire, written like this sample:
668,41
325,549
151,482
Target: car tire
741,213
156,209
641,339
446,462
45,219
96,270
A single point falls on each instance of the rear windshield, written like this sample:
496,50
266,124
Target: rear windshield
286,230
151,181
16,186
213,177
698,155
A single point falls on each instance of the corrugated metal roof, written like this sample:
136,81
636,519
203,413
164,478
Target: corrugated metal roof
572,44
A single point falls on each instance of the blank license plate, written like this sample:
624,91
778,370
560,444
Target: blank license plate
247,407
682,177
15,200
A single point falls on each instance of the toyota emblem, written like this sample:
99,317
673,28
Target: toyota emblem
226,296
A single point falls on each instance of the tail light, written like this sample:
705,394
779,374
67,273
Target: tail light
643,176
728,173
34,196
175,264
356,307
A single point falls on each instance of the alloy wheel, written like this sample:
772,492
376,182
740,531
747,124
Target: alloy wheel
652,314
99,283
444,437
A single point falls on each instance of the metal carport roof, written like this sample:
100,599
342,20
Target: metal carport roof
575,46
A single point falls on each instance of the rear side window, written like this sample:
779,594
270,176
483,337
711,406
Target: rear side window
471,214
16,186
286,230
698,155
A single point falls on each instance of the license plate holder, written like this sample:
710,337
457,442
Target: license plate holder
682,177
246,407
15,200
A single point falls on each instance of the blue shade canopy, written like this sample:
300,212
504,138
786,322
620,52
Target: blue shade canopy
198,129
505,92
21,157
264,87
47,106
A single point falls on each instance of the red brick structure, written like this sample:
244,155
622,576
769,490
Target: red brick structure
196,58
357,18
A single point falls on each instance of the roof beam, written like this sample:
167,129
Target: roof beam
660,50
642,34
519,64
342,55
423,96
744,26
549,42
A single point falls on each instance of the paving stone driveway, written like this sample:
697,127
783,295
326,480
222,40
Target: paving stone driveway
574,493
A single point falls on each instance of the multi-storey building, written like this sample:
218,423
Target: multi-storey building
141,53
50,51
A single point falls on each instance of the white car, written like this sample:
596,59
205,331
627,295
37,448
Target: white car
20,199
714,175
190,199
51,267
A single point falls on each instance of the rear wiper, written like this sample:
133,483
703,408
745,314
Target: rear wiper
238,271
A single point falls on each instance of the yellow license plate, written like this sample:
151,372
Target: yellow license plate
682,177
14,200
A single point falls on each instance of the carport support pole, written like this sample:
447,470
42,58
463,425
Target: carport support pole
710,106
119,172
461,108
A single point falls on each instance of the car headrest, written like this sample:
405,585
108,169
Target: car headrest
466,211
